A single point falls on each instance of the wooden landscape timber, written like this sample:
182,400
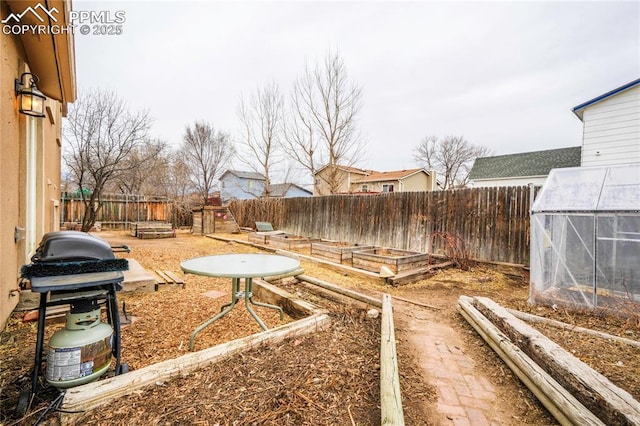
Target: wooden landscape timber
560,403
563,325
414,275
344,291
293,306
390,395
605,400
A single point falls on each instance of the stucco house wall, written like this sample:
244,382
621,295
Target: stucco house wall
30,147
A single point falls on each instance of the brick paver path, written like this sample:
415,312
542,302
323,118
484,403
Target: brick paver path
465,395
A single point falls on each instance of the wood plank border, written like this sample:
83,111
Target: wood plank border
390,395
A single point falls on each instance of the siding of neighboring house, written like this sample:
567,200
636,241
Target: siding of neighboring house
523,181
240,186
402,181
344,176
611,133
30,146
419,182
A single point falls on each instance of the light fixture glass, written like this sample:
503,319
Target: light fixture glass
30,99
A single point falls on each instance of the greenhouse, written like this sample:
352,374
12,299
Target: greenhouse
585,239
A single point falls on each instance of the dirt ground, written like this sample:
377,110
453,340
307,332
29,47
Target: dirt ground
329,377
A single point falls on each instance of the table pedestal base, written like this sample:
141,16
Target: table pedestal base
236,294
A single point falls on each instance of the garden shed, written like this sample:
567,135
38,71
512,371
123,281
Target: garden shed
585,239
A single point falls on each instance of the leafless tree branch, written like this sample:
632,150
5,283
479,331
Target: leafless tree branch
101,135
207,153
451,157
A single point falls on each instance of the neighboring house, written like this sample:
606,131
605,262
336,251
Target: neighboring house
30,162
611,129
289,190
521,169
354,180
239,185
396,181
337,179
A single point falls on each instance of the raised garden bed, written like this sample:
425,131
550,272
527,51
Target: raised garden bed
336,251
290,242
396,260
147,230
258,238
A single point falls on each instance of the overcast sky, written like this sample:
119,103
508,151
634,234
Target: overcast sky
502,74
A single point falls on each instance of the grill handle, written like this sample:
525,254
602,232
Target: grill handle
121,249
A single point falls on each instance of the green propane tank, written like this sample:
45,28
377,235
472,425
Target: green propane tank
80,352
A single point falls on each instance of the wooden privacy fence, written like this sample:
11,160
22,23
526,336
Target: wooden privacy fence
119,210
491,223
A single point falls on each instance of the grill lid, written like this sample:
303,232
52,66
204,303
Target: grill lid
71,246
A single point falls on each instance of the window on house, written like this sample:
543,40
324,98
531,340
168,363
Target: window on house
365,188
387,187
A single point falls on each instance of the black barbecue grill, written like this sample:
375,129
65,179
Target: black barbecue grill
81,270
73,252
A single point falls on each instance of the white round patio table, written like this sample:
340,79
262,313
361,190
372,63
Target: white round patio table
236,267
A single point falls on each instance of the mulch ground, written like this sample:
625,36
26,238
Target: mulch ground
329,377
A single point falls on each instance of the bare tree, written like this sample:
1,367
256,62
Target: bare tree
451,157
207,153
180,188
101,135
261,119
179,183
326,104
147,177
300,140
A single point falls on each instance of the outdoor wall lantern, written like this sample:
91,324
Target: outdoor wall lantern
31,100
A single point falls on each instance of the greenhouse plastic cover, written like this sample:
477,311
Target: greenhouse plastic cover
590,189
585,239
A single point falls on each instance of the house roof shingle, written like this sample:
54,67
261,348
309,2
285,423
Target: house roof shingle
245,175
536,163
349,169
280,189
